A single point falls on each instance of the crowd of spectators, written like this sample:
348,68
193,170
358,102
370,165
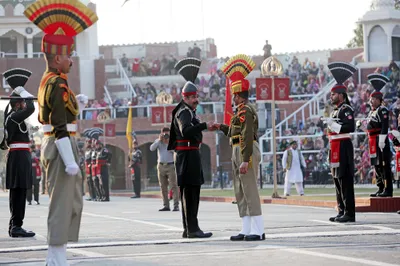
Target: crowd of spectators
317,142
305,78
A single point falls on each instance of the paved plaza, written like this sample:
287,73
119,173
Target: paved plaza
132,232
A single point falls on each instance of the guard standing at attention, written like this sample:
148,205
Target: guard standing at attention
60,21
340,124
17,141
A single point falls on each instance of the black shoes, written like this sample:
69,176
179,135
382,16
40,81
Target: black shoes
239,237
176,209
198,234
385,194
332,219
165,209
20,232
254,237
345,219
380,190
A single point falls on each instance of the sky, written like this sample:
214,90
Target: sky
237,26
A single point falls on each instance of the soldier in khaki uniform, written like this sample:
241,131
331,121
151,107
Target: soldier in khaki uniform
245,150
58,110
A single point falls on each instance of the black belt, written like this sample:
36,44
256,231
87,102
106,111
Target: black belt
187,143
164,164
235,141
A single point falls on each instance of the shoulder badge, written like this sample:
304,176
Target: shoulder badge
242,119
65,96
241,112
348,106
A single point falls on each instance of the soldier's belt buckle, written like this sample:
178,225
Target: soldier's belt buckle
188,143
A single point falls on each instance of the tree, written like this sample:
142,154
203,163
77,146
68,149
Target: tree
358,39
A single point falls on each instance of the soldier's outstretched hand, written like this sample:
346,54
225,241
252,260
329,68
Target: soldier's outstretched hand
211,126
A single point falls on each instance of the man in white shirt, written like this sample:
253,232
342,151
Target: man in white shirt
166,169
292,161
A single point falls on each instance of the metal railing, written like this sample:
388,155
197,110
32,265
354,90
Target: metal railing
144,111
107,94
313,105
40,55
127,82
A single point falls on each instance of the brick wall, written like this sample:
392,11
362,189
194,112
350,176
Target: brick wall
100,77
38,66
345,55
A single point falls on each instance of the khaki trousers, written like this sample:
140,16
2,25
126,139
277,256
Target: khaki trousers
245,186
65,193
167,175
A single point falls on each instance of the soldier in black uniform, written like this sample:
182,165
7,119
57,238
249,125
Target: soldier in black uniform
135,162
379,147
16,140
36,176
341,155
103,160
186,137
96,181
88,170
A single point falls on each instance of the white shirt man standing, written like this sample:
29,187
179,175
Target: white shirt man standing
292,161
166,169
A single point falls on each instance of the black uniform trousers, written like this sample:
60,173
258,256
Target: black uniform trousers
17,206
137,181
344,180
90,185
97,185
383,169
345,196
34,189
190,198
105,182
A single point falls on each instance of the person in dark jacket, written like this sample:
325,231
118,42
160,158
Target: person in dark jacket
17,141
185,138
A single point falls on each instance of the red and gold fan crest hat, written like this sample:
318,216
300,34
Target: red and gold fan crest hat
60,20
236,69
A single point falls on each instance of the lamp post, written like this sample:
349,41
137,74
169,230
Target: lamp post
271,68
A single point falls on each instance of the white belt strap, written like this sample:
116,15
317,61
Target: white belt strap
340,136
19,146
49,128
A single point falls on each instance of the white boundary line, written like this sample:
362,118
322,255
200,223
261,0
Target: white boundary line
93,256
337,257
213,239
353,225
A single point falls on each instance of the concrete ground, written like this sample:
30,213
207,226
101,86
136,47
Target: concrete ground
132,232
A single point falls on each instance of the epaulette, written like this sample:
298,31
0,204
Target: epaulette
382,107
241,112
347,106
182,109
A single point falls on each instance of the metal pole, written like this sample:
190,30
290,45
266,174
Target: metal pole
275,193
217,158
17,98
